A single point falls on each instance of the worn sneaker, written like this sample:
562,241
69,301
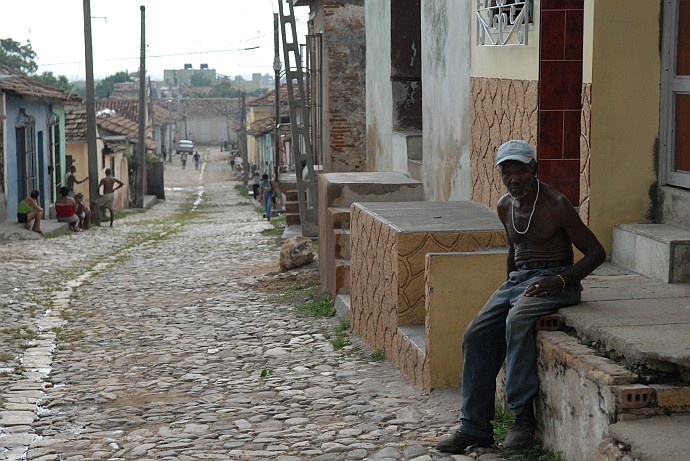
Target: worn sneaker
458,442
521,432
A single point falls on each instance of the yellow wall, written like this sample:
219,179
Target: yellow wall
254,114
625,111
80,156
511,62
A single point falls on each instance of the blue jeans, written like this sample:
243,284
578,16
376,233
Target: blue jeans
504,330
268,203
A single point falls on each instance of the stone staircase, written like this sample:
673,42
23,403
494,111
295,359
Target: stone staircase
337,192
659,251
614,371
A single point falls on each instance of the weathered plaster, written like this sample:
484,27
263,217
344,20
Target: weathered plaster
379,98
446,105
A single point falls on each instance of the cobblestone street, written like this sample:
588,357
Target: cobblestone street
165,338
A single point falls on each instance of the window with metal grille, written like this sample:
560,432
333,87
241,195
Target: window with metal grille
504,22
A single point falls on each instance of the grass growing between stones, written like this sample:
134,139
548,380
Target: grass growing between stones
501,423
377,355
340,337
320,306
299,290
242,190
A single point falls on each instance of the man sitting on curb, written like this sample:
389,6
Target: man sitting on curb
542,226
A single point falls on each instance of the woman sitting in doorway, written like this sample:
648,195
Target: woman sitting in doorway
29,210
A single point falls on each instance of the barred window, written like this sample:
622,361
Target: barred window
503,22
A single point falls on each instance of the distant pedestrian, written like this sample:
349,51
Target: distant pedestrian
29,210
164,153
110,185
196,159
256,179
267,192
183,159
71,178
225,145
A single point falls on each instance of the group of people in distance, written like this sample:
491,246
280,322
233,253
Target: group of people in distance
70,206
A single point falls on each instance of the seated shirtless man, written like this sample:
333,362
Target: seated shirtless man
542,226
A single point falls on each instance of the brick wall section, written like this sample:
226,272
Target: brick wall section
345,109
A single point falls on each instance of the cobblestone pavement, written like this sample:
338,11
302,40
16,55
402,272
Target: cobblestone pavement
157,339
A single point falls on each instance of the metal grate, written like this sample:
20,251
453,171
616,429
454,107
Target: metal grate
502,22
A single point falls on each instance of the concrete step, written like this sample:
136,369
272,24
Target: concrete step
342,276
659,251
292,207
292,218
652,439
342,243
342,306
339,217
291,195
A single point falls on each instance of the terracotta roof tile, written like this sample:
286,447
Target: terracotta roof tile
12,81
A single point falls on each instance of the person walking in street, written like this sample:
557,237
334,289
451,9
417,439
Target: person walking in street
66,210
542,226
71,178
110,185
183,159
29,210
164,153
266,192
196,159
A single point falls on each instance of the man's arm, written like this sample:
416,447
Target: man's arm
584,240
119,184
79,182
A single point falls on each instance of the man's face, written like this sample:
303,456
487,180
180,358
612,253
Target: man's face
517,177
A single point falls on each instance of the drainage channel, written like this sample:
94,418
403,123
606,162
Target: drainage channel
22,403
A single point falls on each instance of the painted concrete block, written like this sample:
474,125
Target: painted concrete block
389,243
457,286
658,251
337,191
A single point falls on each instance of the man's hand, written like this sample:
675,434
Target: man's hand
546,286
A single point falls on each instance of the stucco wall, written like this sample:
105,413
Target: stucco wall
379,99
625,113
446,47
40,112
511,62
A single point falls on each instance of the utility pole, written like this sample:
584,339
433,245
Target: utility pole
276,69
91,117
243,140
141,145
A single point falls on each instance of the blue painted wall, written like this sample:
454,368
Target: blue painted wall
42,113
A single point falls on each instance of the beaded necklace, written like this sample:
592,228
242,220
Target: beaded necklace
534,207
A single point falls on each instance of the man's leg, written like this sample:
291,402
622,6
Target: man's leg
522,381
112,216
483,348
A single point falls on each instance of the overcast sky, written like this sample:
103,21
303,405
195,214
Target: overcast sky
214,32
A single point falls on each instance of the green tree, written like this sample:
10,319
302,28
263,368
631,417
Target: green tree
58,82
223,89
105,87
199,79
17,56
